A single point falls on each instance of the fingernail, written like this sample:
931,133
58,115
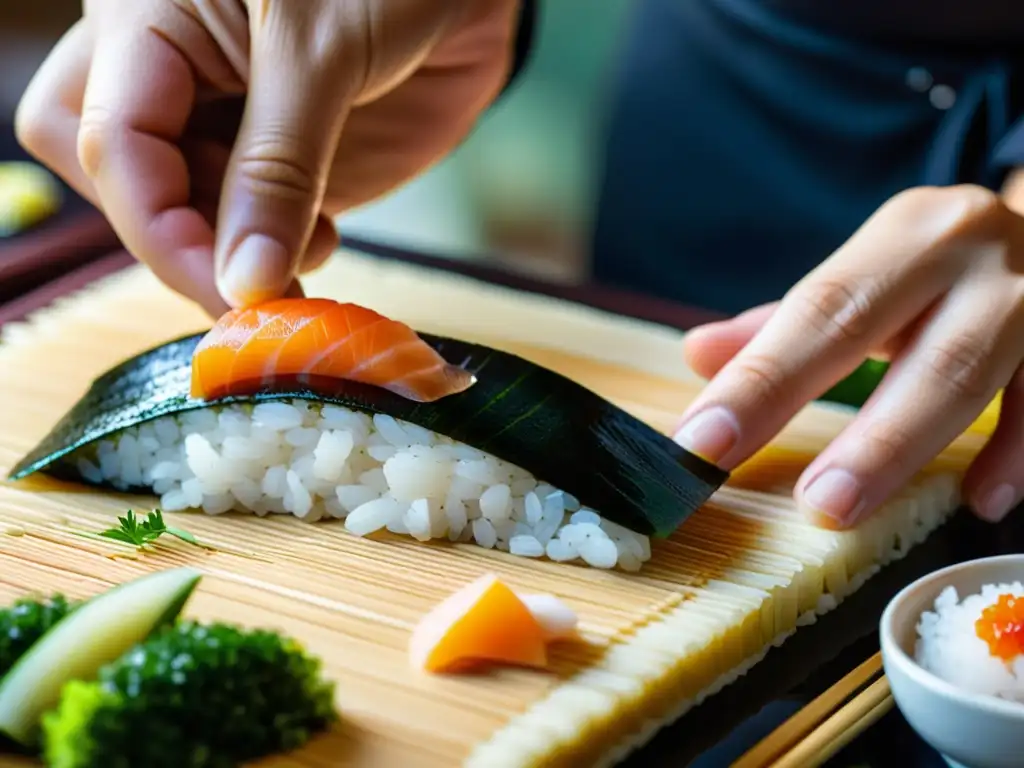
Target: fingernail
998,503
258,270
835,493
710,434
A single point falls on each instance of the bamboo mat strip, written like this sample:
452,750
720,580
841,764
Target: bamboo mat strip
743,573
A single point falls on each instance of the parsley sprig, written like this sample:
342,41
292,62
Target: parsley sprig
142,533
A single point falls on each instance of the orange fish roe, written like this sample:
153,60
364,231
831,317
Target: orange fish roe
1001,625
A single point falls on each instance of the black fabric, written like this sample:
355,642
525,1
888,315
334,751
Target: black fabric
748,139
980,24
746,142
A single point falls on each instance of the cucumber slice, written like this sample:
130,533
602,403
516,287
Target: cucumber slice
100,631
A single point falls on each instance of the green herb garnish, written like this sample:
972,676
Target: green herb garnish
143,534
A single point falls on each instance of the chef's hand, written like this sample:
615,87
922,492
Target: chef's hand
219,137
933,282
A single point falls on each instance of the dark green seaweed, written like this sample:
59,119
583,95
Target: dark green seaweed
530,416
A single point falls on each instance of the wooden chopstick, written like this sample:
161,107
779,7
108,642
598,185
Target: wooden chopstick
826,725
839,730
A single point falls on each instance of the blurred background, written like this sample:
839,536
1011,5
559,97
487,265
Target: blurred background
519,189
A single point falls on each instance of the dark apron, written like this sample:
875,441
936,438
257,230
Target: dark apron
744,146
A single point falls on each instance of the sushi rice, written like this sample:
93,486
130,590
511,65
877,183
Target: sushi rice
948,646
319,462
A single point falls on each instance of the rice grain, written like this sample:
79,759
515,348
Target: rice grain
375,473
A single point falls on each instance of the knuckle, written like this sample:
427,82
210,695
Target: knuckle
947,215
97,133
30,129
886,443
963,365
838,309
961,202
973,201
267,165
759,376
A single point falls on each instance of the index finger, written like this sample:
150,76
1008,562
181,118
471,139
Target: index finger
878,282
137,103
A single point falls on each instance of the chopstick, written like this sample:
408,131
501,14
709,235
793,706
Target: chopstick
840,729
826,725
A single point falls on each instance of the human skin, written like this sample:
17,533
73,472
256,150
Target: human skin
934,283
221,136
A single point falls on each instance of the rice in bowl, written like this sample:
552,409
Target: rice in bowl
950,647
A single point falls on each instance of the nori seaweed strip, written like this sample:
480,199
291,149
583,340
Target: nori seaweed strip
530,416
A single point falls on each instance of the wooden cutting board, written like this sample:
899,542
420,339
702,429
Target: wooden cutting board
739,575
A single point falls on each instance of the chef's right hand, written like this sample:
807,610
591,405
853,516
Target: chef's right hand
220,137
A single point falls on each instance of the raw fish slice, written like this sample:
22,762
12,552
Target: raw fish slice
308,339
485,621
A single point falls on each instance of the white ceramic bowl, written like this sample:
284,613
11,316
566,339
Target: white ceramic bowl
969,729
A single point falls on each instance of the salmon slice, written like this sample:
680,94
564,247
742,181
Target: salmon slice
485,621
311,339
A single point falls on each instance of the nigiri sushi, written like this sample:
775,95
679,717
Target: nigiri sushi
307,339
524,460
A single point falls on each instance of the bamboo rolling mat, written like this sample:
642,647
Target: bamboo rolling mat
740,575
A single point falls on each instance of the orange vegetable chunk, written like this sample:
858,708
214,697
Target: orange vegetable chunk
485,621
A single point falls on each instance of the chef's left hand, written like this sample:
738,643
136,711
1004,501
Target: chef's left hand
933,282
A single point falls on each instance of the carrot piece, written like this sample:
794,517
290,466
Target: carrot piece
485,621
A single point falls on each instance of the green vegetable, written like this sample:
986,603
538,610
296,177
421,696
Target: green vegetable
24,622
518,411
856,388
201,696
92,635
143,534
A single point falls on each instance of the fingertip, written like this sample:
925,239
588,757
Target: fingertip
994,504
833,498
708,348
994,483
826,519
259,269
712,434
693,352
820,520
694,338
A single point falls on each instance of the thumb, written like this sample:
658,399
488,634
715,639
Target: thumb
276,178
707,348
